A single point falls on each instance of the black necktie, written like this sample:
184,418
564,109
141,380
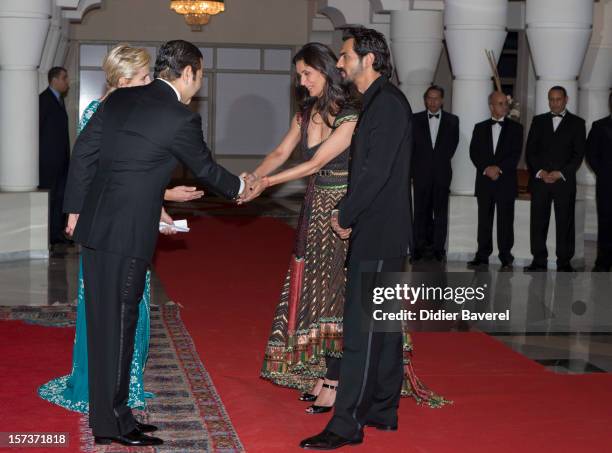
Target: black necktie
434,115
61,101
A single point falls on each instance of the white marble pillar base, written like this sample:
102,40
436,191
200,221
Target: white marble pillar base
23,225
462,244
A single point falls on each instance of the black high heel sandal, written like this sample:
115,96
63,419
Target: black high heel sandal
309,397
314,409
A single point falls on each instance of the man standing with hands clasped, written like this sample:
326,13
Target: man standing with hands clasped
495,150
376,216
555,148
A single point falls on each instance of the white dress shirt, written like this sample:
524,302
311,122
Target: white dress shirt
178,96
496,132
434,126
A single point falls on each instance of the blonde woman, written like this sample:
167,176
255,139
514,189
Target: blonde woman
125,67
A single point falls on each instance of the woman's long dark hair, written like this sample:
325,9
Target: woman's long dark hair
336,94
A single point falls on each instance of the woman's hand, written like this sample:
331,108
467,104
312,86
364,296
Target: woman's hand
183,193
165,217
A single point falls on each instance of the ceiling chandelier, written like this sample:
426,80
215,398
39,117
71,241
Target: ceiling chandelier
197,12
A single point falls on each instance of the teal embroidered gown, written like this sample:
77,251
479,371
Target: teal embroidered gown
72,391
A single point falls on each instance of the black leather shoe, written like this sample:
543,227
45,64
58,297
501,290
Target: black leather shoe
144,428
533,267
565,268
506,267
132,439
381,426
416,257
477,263
600,268
328,441
440,257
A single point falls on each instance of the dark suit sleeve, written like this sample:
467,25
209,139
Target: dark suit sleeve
594,148
510,162
189,147
454,138
389,124
475,151
84,163
578,149
531,149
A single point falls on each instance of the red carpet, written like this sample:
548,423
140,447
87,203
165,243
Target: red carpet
227,273
29,355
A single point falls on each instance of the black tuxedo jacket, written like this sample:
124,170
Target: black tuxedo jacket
377,205
599,151
431,164
506,157
122,163
54,143
561,150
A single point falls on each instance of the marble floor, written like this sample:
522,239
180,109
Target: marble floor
574,336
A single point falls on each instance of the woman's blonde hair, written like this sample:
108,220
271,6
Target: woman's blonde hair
123,61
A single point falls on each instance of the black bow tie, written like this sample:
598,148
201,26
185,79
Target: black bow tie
433,115
556,115
494,122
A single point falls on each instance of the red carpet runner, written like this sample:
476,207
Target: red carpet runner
227,273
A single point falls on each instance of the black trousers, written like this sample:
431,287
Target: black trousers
333,368
563,198
604,223
430,216
113,288
371,370
487,204
57,218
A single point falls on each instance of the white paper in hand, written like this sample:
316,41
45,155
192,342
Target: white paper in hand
179,226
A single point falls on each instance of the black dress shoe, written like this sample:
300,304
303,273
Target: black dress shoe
381,426
600,268
144,428
307,397
328,441
533,267
132,439
416,257
565,268
477,263
505,267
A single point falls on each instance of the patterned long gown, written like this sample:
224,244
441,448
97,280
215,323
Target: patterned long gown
307,324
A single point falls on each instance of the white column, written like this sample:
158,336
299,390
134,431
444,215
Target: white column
353,12
416,43
470,28
50,49
23,29
558,32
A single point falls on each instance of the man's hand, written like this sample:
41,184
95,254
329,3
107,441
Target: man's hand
71,224
165,217
183,193
343,233
552,177
493,172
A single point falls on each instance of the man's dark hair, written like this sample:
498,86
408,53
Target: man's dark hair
55,72
437,88
174,56
559,88
367,40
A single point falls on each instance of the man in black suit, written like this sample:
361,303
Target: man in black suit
495,150
54,149
555,148
121,164
436,135
376,215
599,158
